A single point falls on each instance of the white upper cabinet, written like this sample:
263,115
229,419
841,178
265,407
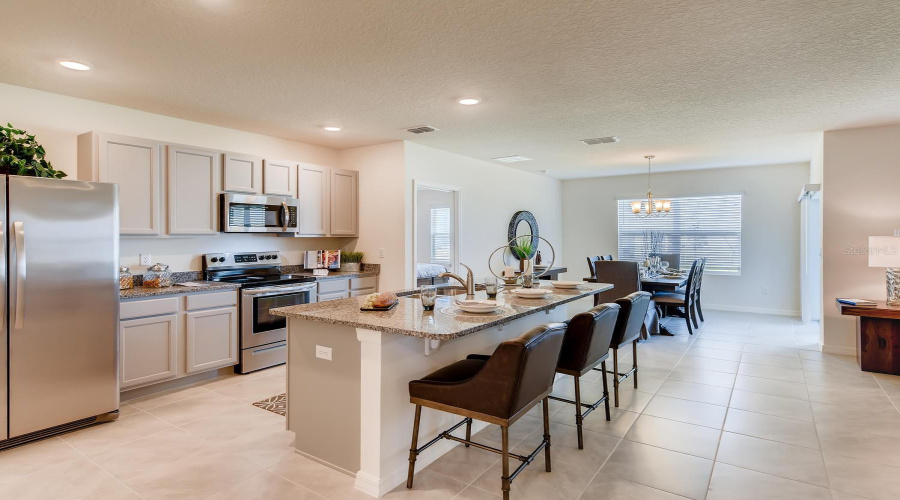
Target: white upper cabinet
241,173
280,177
135,165
193,190
312,189
344,202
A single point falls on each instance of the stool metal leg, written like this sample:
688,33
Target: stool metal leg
546,405
616,374
634,361
468,431
414,447
578,418
505,461
605,389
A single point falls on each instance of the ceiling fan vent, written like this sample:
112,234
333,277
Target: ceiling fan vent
421,129
600,140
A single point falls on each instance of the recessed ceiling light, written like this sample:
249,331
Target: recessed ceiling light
469,101
512,159
332,128
77,66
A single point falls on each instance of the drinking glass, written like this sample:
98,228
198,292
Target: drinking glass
490,286
527,280
428,293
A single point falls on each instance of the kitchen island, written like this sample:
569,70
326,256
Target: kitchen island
348,370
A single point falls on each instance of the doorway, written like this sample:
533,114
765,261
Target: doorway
811,254
435,232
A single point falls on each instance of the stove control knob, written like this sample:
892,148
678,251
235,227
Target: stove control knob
214,259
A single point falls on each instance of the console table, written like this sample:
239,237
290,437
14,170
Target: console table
877,336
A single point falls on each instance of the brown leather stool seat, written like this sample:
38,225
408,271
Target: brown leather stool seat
585,346
497,389
632,310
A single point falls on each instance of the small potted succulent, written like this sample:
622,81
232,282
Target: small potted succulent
352,261
21,155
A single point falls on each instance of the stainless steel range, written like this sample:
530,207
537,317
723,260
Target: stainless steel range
263,287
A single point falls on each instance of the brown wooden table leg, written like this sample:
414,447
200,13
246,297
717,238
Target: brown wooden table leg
878,345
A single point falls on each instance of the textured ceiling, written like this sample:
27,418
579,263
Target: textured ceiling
698,83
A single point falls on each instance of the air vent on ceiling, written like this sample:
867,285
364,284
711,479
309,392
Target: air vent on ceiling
600,140
421,129
512,159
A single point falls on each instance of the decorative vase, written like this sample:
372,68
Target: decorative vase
351,267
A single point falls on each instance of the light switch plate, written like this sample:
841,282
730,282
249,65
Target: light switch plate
323,352
145,259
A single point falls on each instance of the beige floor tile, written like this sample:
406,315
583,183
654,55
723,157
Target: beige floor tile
137,457
724,337
856,443
553,407
116,491
256,435
630,399
888,382
24,460
836,380
861,419
771,341
517,432
102,437
735,483
874,400
255,389
676,436
164,398
126,409
195,408
772,350
708,352
564,439
771,457
716,365
609,487
464,464
473,493
769,360
695,392
771,387
866,479
195,476
264,486
840,495
844,364
428,485
783,430
690,412
70,479
619,420
719,344
771,405
699,376
566,482
318,478
666,470
773,372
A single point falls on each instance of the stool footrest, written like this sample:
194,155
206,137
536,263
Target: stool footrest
622,376
590,407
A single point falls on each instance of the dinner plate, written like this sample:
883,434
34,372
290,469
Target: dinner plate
531,293
478,306
565,284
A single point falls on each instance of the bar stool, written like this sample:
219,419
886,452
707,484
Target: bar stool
632,310
497,389
585,346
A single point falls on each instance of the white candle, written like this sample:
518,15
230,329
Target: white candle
509,272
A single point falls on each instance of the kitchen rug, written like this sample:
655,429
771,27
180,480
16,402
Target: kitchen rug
275,404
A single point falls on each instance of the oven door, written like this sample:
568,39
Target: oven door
258,327
243,213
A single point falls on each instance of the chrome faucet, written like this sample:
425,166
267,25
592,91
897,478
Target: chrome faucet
469,282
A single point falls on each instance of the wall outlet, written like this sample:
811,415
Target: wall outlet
323,352
380,253
145,259
765,290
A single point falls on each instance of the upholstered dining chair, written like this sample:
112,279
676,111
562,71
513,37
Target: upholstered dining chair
684,299
625,277
697,306
674,259
590,261
608,257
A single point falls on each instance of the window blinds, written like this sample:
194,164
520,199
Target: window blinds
440,235
698,226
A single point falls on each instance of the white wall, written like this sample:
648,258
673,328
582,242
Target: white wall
489,196
57,120
770,228
859,197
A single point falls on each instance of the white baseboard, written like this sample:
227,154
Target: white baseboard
839,349
757,310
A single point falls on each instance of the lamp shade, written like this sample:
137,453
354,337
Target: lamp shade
884,251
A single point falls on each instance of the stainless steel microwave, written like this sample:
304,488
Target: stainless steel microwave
246,213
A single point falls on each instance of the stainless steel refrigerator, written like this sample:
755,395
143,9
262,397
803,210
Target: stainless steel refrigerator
59,284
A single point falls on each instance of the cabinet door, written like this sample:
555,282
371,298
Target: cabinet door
241,173
211,339
362,291
148,350
134,164
312,190
193,190
344,203
280,177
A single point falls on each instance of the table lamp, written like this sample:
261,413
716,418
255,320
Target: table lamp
884,251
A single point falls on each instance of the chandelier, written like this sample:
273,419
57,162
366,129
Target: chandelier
651,207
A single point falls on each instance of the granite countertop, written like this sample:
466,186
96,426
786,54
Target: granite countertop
141,291
408,317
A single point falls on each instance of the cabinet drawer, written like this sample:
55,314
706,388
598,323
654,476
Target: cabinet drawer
334,286
153,307
332,296
210,300
361,283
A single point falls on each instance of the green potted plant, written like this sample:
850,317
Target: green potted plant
21,155
522,250
352,261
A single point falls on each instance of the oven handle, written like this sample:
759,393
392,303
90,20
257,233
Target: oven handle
256,292
284,216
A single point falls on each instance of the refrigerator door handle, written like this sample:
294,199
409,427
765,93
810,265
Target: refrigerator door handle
19,308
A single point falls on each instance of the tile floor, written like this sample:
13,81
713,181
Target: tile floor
745,409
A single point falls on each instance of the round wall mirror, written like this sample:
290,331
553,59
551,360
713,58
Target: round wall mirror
521,226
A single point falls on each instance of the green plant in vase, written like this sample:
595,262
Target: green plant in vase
352,261
522,250
21,155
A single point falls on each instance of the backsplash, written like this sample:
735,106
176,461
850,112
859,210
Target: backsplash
184,276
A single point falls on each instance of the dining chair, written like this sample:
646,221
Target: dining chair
608,257
697,306
685,299
674,259
591,261
625,277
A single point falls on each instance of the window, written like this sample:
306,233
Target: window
440,236
698,226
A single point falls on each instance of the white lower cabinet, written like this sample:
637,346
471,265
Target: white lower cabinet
211,339
148,350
